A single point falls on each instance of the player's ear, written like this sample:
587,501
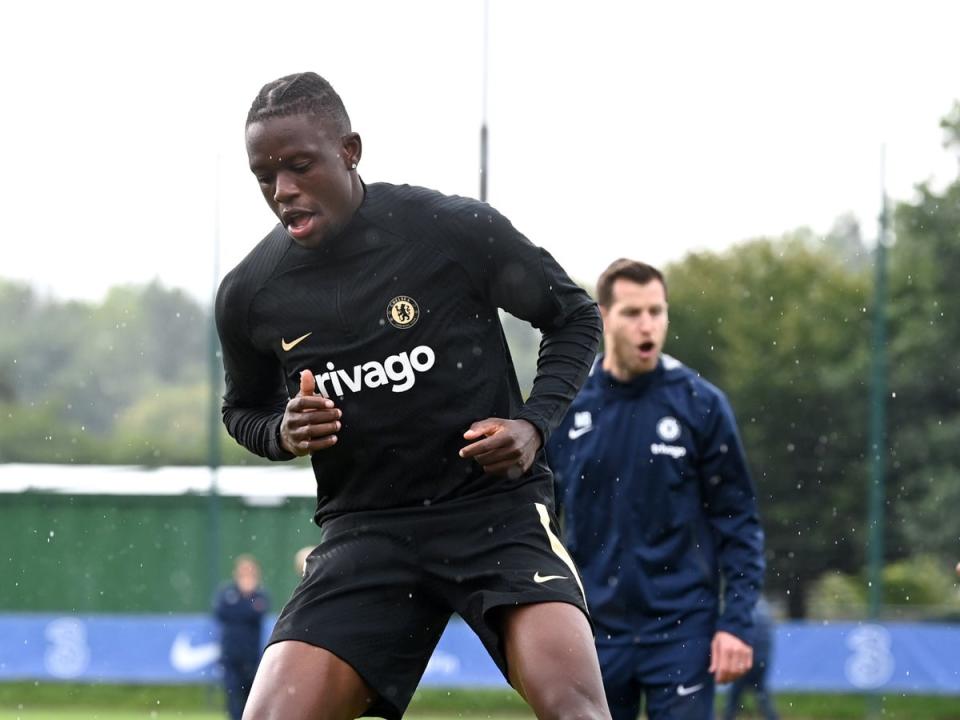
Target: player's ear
351,150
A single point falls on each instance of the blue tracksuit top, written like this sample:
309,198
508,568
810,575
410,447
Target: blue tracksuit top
241,622
657,506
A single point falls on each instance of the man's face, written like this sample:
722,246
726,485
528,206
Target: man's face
634,328
303,168
247,577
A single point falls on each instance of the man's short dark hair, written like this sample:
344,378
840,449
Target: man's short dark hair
632,270
302,93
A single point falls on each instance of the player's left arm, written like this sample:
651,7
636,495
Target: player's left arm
731,506
525,280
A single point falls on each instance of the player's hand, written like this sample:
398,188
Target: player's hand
310,421
730,657
505,447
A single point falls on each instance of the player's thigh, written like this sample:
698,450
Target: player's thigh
363,600
550,654
300,681
499,556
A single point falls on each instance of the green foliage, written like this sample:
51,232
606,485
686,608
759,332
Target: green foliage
925,372
951,126
524,343
780,326
72,372
838,596
917,587
921,581
171,427
31,432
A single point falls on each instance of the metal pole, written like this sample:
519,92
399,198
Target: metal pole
878,399
878,450
213,415
483,123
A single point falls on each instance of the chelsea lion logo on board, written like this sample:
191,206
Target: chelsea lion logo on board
403,312
668,429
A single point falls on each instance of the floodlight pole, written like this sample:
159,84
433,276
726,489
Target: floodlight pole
878,399
213,414
484,144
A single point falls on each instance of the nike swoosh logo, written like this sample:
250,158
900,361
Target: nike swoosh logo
187,658
684,691
288,346
538,578
577,432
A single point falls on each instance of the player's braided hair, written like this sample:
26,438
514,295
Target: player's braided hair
302,93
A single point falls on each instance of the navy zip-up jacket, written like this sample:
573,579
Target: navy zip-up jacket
658,505
241,622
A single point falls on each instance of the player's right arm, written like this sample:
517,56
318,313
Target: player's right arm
255,396
310,421
257,411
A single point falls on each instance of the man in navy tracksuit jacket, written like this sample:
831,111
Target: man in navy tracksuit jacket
239,608
659,512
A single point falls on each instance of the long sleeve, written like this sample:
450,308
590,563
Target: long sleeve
255,396
525,280
730,504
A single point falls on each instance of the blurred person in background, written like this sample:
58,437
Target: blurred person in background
756,679
658,511
239,608
364,331
300,560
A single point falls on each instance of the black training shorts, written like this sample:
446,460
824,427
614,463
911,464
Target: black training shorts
379,589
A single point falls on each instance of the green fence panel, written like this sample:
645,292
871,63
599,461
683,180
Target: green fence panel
114,553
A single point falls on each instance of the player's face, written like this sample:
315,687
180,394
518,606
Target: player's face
305,175
634,328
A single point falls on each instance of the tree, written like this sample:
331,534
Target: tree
780,326
924,417
88,363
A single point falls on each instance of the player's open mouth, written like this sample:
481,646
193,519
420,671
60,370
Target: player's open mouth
299,224
647,347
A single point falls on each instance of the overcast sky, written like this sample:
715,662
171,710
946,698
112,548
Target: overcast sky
644,129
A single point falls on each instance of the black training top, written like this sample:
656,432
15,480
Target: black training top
397,318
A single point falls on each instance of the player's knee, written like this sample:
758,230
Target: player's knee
571,703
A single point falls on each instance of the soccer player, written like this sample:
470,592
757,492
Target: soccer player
364,330
239,608
659,512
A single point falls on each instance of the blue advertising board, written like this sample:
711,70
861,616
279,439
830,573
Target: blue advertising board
173,649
